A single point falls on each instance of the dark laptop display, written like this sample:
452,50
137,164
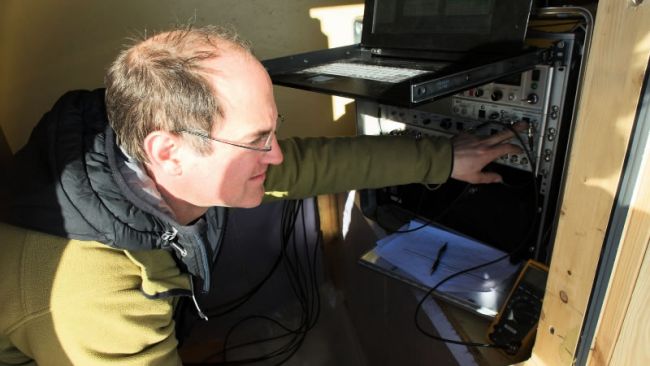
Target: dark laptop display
444,25
414,51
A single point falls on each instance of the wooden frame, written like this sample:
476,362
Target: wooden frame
610,94
625,318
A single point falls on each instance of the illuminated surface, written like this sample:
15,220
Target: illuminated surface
337,24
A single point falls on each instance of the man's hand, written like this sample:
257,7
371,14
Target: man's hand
473,153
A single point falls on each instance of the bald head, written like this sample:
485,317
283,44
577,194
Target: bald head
162,84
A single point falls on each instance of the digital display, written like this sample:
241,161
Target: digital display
433,16
535,278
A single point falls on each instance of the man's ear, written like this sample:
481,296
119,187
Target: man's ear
162,149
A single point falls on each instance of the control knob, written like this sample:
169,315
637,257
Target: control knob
496,95
532,98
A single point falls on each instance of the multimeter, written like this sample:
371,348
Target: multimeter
516,322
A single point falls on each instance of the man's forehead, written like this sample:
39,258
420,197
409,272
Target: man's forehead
241,85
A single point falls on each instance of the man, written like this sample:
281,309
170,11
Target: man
120,195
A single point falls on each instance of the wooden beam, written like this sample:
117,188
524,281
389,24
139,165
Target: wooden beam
330,219
624,319
610,94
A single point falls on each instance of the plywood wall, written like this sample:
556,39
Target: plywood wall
48,47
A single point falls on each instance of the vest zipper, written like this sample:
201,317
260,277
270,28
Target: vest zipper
168,237
196,303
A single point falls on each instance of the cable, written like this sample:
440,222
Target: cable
437,217
233,304
287,224
528,153
507,255
241,300
430,292
525,239
465,190
300,268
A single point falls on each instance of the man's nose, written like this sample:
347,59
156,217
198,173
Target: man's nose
275,156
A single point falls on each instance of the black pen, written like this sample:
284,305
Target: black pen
441,251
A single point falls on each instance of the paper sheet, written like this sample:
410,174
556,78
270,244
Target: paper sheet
414,253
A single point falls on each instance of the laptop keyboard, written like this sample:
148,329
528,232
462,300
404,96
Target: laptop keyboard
385,74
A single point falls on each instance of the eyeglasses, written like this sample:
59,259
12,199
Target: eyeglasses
262,143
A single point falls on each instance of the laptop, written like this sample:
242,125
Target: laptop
416,51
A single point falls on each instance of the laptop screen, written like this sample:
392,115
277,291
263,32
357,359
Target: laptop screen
444,25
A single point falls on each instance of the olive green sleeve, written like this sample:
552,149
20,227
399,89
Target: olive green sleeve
314,166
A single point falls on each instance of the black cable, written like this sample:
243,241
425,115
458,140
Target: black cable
427,222
430,292
533,166
304,284
513,252
442,214
287,224
233,304
250,343
241,300
507,255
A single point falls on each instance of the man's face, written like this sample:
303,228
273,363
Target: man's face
230,175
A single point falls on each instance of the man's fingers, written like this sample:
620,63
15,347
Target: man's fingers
499,137
506,134
464,137
487,154
485,178
490,177
503,149
471,155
